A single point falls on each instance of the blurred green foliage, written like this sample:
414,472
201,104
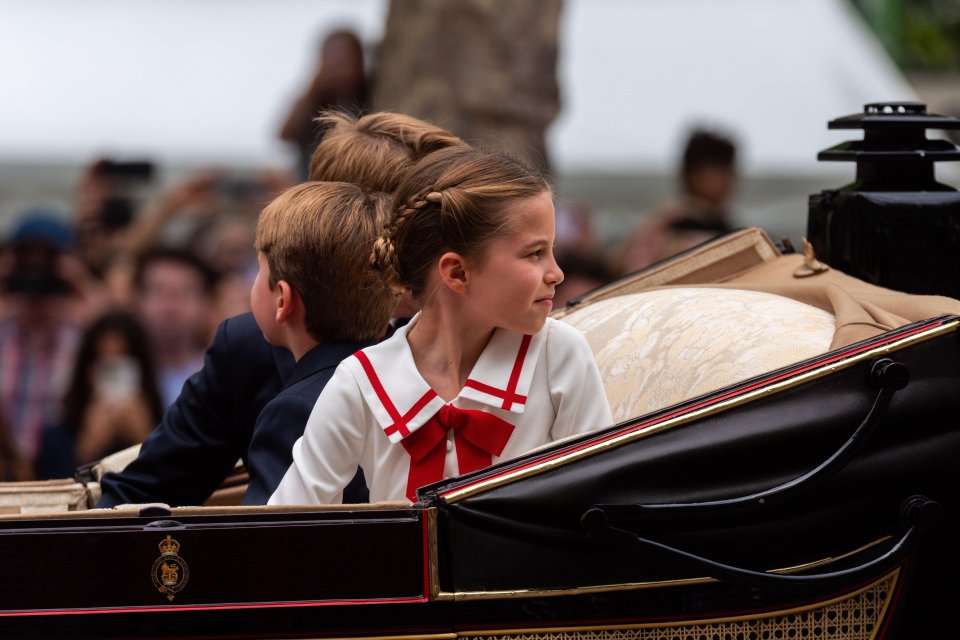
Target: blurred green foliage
919,34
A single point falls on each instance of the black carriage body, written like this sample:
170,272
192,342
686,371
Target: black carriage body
527,520
239,575
572,541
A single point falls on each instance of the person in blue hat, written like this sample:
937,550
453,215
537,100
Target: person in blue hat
46,294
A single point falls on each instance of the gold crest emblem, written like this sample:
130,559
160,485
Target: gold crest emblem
170,571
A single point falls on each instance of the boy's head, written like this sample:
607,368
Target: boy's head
376,150
317,237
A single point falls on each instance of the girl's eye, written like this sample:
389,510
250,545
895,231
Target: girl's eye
536,254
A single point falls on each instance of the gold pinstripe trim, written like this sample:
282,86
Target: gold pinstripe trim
421,636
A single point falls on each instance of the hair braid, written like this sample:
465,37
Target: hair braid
384,257
453,200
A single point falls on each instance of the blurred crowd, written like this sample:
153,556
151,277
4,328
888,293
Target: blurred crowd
107,309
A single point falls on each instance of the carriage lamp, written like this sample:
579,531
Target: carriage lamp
895,225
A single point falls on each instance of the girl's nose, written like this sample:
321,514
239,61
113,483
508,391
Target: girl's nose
553,275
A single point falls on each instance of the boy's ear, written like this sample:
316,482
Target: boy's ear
287,301
453,271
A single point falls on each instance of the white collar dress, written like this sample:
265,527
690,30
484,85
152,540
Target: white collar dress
378,412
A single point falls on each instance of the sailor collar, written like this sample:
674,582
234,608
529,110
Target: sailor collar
401,400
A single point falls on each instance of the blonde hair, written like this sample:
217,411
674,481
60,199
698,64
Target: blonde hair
317,236
452,200
376,150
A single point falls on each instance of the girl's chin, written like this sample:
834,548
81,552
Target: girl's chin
535,326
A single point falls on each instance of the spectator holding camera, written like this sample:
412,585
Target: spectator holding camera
112,401
210,213
47,297
106,202
195,198
339,83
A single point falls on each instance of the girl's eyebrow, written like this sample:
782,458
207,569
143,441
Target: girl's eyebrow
537,242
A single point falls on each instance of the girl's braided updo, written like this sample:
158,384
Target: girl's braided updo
454,199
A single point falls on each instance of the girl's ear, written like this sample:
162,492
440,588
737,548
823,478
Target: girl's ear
287,301
453,271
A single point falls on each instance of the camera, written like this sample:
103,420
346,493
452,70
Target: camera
126,177
116,213
35,272
136,170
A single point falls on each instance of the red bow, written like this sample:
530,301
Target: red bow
478,436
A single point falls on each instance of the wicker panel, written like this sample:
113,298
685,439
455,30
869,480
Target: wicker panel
855,617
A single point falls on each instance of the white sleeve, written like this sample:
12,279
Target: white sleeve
576,389
326,456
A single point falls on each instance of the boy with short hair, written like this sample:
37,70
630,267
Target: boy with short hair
316,295
211,423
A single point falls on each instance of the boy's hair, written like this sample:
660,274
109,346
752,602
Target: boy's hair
374,151
153,255
317,236
452,200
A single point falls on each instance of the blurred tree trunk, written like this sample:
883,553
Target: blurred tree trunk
484,69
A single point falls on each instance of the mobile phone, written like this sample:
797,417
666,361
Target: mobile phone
117,377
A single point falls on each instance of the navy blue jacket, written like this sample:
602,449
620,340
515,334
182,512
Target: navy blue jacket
283,419
211,424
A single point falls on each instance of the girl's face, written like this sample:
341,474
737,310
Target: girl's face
512,284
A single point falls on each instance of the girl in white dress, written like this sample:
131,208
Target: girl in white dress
482,373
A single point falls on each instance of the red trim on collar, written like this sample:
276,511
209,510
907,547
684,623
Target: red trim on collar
399,422
509,395
509,399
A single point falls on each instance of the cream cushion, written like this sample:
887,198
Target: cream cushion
42,496
657,348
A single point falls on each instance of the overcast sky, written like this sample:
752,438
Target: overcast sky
211,79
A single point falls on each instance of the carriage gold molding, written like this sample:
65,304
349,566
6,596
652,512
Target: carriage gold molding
632,435
433,566
884,587
419,636
630,586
